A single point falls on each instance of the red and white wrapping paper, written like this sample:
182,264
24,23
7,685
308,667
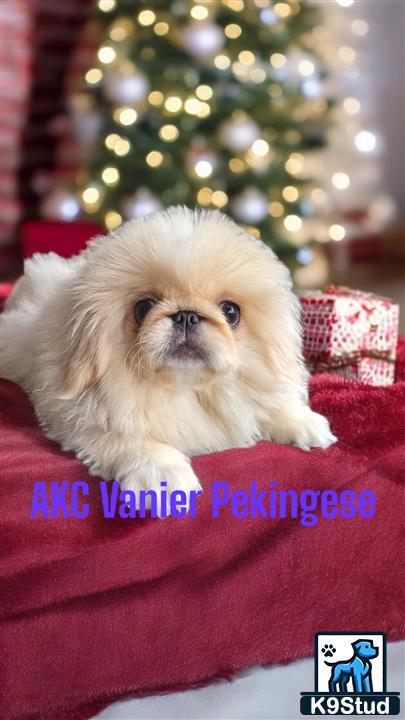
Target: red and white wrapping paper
350,333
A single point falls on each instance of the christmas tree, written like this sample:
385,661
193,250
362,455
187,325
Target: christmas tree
210,104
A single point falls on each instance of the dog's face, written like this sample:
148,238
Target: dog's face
182,332
187,314
185,293
365,649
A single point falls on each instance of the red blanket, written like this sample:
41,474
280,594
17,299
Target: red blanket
93,610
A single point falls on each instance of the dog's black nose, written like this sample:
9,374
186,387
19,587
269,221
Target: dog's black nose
186,319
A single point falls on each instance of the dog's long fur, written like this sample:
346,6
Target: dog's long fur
115,392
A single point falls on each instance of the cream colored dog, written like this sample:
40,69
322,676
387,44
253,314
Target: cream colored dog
175,335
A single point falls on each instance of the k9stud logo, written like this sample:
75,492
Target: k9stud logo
350,676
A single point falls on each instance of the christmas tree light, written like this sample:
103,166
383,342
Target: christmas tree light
232,104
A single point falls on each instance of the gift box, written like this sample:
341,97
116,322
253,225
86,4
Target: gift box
350,333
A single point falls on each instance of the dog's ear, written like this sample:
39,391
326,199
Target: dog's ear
281,329
85,354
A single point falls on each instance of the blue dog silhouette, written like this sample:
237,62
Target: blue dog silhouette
358,668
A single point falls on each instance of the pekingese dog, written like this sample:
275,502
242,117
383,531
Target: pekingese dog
176,334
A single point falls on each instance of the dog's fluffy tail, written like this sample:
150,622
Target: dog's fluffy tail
20,324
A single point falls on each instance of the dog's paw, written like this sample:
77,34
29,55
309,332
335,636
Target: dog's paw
328,650
303,428
175,474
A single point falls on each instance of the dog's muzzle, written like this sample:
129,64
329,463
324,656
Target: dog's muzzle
186,320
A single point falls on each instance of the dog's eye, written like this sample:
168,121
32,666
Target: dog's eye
231,312
142,308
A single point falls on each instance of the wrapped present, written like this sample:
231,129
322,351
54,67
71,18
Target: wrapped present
350,333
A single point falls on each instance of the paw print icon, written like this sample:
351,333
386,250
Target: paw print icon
328,650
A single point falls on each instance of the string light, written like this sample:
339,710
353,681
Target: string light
235,5
192,105
146,17
199,12
222,62
294,164
161,28
306,68
233,31
173,104
112,219
219,198
240,70
93,76
122,147
278,60
106,5
120,32
125,116
246,57
236,165
91,195
260,148
154,158
290,193
110,176
341,180
203,168
336,232
258,75
276,209
282,10
168,133
257,161
295,6
365,141
351,105
204,92
106,54
205,110
253,231
204,196
293,223
156,97
111,140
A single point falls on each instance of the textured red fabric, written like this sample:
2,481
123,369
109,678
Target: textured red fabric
64,238
5,291
94,610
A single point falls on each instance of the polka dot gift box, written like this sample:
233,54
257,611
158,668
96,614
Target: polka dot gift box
350,333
